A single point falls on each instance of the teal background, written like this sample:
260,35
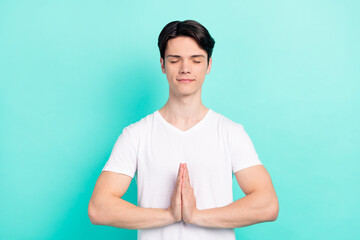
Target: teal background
73,74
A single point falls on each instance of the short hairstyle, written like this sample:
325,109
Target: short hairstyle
188,28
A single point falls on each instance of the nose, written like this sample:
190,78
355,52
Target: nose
185,67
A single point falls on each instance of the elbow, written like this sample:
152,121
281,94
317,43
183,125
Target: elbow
92,213
273,211
270,211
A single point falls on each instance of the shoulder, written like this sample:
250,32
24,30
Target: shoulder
227,125
137,128
229,129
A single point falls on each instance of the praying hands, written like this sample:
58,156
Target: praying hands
183,202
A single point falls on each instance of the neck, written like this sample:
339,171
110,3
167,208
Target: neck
183,110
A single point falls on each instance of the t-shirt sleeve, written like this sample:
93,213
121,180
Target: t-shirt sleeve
243,154
123,158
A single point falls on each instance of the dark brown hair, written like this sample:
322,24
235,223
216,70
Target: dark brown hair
188,28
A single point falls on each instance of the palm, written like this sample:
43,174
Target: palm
188,199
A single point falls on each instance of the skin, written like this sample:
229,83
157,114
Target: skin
183,202
184,59
188,198
184,108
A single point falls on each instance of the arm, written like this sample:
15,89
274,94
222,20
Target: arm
259,205
107,208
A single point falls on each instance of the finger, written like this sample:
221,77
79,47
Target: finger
179,187
180,168
181,172
187,175
187,180
184,191
184,174
181,175
187,191
184,183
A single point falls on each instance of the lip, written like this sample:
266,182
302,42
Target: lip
185,80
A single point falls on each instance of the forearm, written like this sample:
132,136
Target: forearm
254,208
116,212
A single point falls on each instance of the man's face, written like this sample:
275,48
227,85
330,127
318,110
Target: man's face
185,65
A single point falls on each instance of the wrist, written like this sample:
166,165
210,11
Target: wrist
195,219
170,217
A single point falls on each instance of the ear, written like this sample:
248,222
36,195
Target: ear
209,66
162,65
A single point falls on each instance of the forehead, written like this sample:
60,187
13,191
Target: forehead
183,46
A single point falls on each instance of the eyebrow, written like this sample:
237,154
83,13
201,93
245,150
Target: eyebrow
193,56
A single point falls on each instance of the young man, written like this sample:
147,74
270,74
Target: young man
183,157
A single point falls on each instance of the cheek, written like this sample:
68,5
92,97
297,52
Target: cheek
201,70
204,67
170,72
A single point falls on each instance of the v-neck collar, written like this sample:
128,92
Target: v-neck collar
179,131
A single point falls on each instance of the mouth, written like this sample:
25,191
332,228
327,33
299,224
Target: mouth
185,80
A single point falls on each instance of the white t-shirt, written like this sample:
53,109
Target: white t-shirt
152,150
